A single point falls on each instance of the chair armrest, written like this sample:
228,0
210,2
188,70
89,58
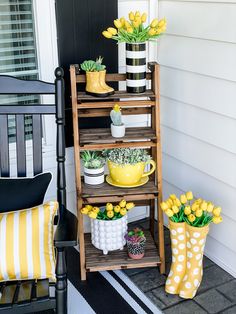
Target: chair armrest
66,231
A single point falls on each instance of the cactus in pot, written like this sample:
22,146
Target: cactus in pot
117,126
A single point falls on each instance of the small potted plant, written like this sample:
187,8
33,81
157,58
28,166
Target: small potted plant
127,166
117,126
93,163
95,78
136,243
108,225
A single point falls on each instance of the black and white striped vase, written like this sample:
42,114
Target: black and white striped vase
136,67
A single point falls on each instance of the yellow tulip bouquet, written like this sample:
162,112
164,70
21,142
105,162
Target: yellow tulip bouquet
109,212
195,212
133,30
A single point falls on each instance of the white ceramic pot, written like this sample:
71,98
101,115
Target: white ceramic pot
118,130
109,235
93,176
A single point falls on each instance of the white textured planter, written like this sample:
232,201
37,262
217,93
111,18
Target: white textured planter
118,130
93,176
109,235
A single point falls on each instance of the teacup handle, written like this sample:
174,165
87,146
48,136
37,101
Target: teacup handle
151,162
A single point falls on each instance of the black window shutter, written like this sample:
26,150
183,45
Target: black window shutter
79,26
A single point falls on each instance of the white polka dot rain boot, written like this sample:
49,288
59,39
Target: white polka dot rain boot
196,238
178,266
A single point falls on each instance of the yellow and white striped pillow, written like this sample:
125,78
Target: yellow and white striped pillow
26,243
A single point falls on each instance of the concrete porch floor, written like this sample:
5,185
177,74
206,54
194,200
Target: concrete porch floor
217,293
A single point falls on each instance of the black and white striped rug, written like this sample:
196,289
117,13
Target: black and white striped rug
108,292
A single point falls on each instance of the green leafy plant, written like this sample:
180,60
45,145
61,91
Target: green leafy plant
127,155
135,236
92,159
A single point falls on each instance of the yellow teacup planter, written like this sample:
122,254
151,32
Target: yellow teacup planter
127,167
129,175
189,225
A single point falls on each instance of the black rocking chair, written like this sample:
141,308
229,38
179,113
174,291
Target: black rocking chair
32,296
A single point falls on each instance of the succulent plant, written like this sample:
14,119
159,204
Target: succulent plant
116,116
93,66
99,65
126,155
135,236
92,159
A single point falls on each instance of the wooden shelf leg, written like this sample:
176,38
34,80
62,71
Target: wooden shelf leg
152,217
81,242
161,243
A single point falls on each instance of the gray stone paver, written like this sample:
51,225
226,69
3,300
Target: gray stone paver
213,301
155,300
231,310
187,307
149,279
166,298
229,290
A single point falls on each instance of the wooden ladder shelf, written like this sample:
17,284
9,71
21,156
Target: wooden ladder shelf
83,105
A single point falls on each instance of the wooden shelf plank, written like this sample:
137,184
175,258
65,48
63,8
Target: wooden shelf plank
110,104
146,144
96,261
110,77
103,136
117,95
107,190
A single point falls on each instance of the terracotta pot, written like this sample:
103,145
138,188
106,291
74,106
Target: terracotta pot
136,250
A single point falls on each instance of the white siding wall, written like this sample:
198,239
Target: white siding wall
198,111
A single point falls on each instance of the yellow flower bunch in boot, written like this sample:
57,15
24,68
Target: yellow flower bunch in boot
194,216
95,78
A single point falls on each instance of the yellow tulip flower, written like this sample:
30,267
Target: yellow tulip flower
130,30
106,34
127,24
195,206
199,213
169,212
154,23
210,207
123,211
116,108
117,209
183,199
131,16
164,206
122,203
175,209
129,205
198,201
89,207
109,206
158,31
96,210
189,195
112,30
122,20
217,219
187,210
216,211
191,218
203,206
137,14
177,202
117,23
161,23
144,17
110,214
92,214
173,197
84,210
170,202
152,32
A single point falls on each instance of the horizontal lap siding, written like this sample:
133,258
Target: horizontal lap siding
198,111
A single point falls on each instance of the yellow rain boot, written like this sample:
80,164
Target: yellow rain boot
178,266
93,85
109,89
196,238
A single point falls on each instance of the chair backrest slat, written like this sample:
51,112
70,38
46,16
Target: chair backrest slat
4,146
20,145
11,85
37,143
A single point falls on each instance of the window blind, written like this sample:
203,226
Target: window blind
18,55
